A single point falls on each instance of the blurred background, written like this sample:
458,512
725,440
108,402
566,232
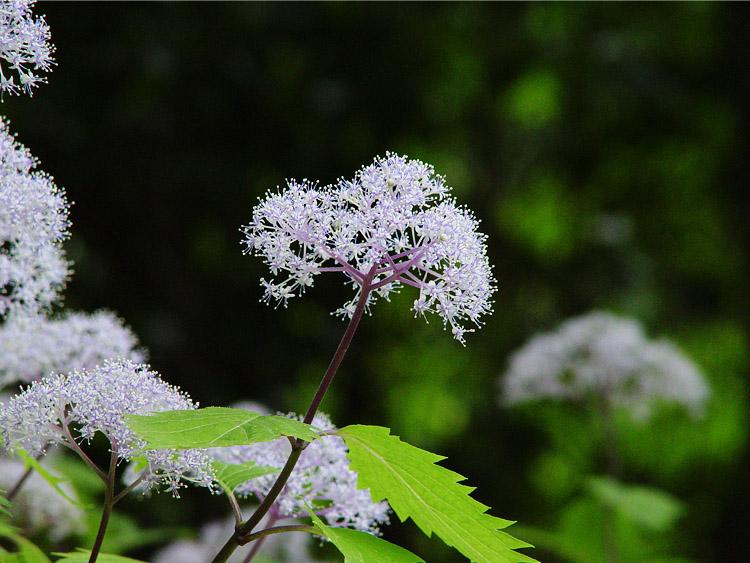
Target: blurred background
603,146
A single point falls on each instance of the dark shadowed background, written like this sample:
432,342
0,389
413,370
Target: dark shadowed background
604,147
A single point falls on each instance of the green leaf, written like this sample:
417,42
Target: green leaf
214,427
26,551
361,547
53,480
232,475
4,504
432,496
82,556
647,507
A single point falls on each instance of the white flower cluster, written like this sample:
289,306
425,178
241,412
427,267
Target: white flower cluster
97,400
32,346
281,548
25,50
606,356
38,507
321,479
33,224
394,224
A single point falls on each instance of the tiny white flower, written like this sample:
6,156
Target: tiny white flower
25,50
96,401
393,224
33,225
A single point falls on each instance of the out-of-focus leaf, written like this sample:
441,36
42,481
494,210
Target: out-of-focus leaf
648,507
124,534
26,551
53,480
82,556
4,504
534,99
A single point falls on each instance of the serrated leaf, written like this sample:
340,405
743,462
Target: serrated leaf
361,547
82,556
214,427
429,494
231,475
53,480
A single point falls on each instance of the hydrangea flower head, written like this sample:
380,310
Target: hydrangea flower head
97,400
33,224
25,50
393,224
606,356
38,507
321,478
32,346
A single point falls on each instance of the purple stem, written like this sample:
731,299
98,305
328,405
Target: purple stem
243,531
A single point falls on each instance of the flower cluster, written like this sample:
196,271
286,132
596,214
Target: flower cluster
85,402
278,547
393,224
32,346
322,478
24,47
38,507
607,356
33,224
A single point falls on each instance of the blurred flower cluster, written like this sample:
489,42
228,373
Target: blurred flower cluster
604,357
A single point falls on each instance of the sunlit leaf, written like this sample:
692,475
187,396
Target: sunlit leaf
230,475
429,494
213,427
361,547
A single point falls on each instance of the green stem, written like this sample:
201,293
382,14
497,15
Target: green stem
109,497
613,468
244,531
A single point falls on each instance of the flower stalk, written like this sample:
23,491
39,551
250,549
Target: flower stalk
109,502
244,533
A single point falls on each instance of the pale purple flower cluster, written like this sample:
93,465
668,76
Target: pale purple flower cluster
321,479
25,50
394,221
32,346
605,356
33,224
292,548
97,400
